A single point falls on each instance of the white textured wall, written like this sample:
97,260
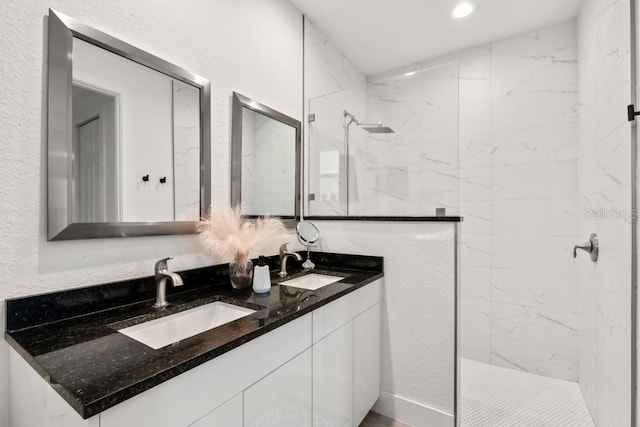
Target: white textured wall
418,310
604,189
250,46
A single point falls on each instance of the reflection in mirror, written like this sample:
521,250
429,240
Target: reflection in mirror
268,165
95,156
128,138
155,132
308,233
266,146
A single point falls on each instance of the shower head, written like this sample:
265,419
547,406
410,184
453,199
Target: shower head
369,127
376,128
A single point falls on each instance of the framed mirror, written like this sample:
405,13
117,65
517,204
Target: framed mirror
128,138
265,161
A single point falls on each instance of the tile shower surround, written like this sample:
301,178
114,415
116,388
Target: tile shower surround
518,172
516,136
604,184
516,182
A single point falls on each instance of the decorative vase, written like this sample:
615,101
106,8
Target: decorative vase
241,274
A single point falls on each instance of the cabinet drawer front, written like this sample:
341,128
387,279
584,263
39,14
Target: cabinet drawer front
330,317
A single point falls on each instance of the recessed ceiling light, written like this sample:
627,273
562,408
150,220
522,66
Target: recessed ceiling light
463,9
410,73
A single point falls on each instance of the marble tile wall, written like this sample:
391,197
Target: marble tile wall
332,84
604,207
410,172
329,150
414,170
518,149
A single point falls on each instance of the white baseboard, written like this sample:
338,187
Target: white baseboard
412,413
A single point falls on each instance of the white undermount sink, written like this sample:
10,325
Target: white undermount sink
167,330
312,281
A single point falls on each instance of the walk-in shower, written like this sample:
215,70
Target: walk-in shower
516,137
404,163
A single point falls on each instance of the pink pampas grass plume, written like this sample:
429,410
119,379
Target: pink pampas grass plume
227,234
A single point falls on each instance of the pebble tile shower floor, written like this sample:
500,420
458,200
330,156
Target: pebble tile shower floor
498,397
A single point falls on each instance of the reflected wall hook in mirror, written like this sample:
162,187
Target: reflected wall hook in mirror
163,180
145,178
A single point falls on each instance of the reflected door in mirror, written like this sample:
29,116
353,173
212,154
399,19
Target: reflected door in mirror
95,163
151,128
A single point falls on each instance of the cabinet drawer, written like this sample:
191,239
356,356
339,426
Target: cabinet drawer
283,398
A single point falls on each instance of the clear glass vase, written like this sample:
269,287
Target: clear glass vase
241,275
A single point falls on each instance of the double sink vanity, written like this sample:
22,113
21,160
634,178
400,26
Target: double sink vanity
306,353
199,353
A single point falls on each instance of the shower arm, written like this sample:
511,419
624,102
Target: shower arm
352,119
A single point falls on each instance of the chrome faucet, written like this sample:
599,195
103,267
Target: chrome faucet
163,274
284,254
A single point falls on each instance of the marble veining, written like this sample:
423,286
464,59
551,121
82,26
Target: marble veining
604,199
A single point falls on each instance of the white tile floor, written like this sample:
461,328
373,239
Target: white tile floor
497,397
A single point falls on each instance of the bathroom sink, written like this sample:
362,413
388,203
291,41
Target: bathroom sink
312,281
167,330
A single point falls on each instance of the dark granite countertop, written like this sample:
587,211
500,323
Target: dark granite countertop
70,338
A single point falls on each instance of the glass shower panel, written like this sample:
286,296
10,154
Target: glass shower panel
389,148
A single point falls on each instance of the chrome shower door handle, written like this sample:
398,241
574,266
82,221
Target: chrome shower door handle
591,247
587,247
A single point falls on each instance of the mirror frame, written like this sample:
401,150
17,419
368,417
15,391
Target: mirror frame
60,226
239,102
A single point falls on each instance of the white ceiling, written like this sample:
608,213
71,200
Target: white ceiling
381,35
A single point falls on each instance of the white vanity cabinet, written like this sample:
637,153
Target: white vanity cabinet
346,357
